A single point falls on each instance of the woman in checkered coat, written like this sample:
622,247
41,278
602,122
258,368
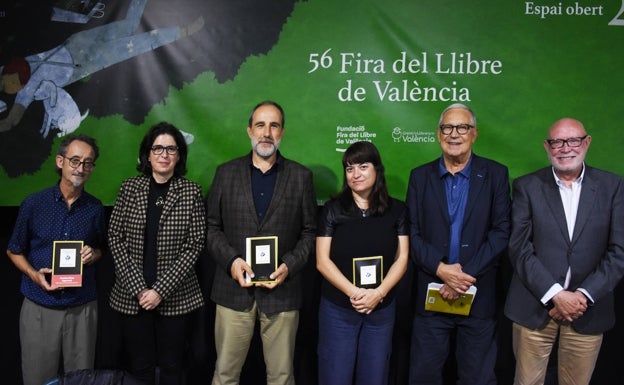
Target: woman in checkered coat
156,234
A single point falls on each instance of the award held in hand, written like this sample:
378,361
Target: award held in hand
261,255
461,305
368,271
66,264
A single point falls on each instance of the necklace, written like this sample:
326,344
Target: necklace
160,201
360,204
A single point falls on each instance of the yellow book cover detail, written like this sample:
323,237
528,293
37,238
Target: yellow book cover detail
461,305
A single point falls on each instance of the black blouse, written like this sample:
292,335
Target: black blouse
156,201
356,235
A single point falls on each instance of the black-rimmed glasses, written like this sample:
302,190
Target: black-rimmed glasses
75,163
462,129
171,150
571,142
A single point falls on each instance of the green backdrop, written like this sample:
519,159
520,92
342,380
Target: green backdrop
383,71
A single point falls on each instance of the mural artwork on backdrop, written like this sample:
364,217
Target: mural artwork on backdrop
42,76
78,40
343,70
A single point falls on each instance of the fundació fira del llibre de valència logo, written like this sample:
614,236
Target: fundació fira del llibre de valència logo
345,135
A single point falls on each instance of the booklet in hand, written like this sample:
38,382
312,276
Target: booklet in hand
461,305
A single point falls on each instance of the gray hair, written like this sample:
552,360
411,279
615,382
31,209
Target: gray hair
460,106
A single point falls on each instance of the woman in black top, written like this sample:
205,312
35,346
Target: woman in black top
362,253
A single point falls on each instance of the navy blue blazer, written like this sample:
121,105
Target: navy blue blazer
540,248
485,230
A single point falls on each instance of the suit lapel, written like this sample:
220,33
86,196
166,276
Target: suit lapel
172,198
586,203
245,169
439,190
281,182
553,201
478,175
142,195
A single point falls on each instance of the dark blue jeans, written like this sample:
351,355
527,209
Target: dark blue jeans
354,345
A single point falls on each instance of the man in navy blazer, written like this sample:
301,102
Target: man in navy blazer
567,253
459,208
259,195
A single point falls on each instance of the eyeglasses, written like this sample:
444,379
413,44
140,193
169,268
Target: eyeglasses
462,129
571,142
171,150
75,163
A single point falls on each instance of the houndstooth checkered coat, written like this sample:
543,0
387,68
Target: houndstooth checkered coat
181,238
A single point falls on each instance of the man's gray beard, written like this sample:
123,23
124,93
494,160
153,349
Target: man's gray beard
78,183
268,153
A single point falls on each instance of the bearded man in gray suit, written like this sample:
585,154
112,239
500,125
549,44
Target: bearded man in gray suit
567,253
261,194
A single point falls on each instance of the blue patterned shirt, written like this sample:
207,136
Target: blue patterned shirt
44,218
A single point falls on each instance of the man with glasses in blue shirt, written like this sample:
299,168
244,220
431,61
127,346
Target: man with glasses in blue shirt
59,321
459,209
567,253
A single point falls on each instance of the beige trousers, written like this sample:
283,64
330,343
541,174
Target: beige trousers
577,354
233,333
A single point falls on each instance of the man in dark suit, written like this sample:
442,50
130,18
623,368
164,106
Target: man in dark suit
567,252
257,195
459,208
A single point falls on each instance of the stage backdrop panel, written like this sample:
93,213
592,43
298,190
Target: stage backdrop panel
343,71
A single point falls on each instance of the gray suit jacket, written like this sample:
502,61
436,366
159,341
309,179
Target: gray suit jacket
541,251
231,218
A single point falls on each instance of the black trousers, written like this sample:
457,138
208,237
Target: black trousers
155,345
